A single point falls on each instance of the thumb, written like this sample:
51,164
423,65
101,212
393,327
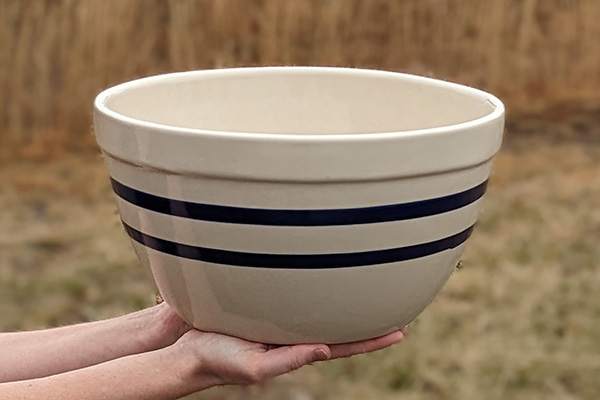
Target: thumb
289,358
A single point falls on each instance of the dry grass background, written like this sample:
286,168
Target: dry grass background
521,320
57,54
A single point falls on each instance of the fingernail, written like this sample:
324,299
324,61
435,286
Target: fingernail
320,355
400,336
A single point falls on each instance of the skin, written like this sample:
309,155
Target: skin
150,354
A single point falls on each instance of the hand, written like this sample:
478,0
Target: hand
224,360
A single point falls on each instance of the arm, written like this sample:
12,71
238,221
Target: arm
28,355
160,374
197,361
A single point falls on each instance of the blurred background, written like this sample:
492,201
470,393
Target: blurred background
520,320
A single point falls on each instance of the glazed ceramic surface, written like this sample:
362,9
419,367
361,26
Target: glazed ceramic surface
298,204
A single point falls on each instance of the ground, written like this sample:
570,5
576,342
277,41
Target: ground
519,320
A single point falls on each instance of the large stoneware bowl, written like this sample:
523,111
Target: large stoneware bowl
298,204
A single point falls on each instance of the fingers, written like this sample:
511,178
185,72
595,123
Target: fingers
254,363
281,360
365,346
289,358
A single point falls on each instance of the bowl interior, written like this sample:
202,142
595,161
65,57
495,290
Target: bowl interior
306,101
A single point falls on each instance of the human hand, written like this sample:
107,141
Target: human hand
224,360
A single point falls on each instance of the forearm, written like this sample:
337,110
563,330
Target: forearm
28,355
162,374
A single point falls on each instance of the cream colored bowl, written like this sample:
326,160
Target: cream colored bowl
298,204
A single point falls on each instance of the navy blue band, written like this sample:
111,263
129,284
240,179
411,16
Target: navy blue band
298,261
274,217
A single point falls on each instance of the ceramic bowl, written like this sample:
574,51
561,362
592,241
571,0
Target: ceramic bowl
298,204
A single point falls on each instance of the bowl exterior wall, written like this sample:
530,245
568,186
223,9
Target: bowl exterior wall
297,262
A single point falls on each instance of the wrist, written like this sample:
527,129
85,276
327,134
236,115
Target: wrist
164,326
190,365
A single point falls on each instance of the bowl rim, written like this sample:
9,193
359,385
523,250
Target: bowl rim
101,107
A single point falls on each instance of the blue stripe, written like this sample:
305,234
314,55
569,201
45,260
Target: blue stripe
298,261
321,217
